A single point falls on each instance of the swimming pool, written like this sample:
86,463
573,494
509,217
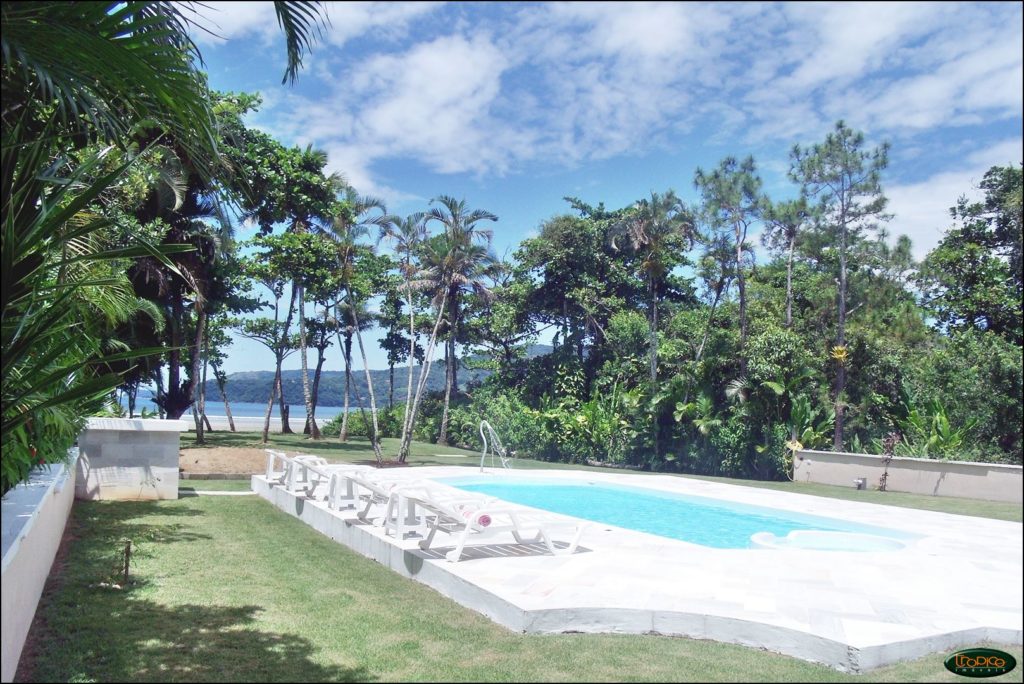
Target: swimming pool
698,520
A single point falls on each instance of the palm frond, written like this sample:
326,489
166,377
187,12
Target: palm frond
299,21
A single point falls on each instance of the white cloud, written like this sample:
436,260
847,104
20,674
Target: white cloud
435,102
569,83
346,20
228,20
921,210
391,20
885,67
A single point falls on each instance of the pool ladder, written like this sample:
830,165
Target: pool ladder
496,447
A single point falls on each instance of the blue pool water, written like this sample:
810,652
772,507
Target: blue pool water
698,520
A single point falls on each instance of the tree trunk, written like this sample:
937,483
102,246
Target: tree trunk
348,383
133,393
218,374
391,386
202,385
174,359
314,431
654,358
442,437
199,425
412,360
189,390
789,284
158,379
375,436
654,332
837,438
707,330
741,282
273,393
286,428
450,366
403,452
315,392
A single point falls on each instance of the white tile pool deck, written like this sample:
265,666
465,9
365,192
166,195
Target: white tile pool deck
956,586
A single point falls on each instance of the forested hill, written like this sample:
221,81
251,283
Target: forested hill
254,386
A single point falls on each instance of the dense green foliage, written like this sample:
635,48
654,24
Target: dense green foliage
113,252
676,345
751,361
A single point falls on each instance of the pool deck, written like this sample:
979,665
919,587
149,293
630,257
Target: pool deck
957,585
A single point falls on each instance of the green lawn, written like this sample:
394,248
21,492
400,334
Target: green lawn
358,450
231,589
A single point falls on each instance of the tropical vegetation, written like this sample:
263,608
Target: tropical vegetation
676,342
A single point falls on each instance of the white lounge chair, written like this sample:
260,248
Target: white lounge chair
274,459
400,515
308,472
371,488
488,519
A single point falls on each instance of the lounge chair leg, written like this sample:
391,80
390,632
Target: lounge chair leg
425,543
456,554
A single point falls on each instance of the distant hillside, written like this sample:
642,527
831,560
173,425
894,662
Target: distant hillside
254,386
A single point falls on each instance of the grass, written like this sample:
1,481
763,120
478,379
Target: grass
230,589
185,487
358,450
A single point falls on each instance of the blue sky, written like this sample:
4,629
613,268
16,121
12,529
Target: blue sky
513,106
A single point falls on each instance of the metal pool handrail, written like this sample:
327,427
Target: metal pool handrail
496,447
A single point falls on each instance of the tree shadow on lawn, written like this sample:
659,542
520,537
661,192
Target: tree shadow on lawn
102,523
92,626
140,640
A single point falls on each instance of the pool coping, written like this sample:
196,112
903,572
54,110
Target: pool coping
616,581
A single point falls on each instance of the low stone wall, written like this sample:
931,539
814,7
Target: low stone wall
129,459
963,479
34,515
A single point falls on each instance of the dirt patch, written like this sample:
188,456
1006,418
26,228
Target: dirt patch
234,460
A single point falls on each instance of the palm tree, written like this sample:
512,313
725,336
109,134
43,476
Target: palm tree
350,223
106,67
347,322
440,258
195,218
655,228
461,231
406,235
75,74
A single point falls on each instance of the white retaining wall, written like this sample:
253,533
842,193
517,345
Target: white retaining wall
964,479
34,515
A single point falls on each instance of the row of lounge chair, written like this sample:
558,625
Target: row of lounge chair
421,507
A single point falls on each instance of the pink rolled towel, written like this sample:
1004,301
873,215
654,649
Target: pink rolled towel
484,520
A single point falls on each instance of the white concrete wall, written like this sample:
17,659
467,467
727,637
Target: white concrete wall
34,515
963,479
129,459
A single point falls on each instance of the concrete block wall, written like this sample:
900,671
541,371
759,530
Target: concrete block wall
129,459
963,479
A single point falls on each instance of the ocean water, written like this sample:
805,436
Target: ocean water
241,409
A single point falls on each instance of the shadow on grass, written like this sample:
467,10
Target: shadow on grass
145,641
92,626
99,530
